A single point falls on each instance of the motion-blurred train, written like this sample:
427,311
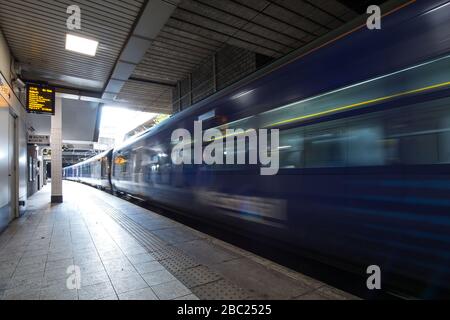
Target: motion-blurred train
364,175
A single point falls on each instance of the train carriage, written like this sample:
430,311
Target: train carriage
95,171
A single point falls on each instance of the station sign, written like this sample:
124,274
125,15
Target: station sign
39,139
40,99
47,154
5,90
8,94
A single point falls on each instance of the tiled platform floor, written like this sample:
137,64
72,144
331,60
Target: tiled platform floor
122,251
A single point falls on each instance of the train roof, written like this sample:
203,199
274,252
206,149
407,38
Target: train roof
94,158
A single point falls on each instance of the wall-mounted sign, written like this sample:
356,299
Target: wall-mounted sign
39,140
47,154
40,99
5,90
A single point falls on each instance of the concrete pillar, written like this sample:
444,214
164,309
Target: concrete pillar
56,146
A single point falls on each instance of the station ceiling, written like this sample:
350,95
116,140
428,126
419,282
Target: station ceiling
146,47
36,33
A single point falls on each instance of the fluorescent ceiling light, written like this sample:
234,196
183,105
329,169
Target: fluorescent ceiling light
67,96
81,45
90,99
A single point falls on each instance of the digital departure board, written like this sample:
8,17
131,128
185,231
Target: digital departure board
40,99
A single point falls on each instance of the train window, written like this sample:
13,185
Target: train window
125,159
444,138
291,148
365,142
325,147
136,156
104,167
415,135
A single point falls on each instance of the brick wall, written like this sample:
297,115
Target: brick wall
203,81
233,64
185,99
176,105
217,72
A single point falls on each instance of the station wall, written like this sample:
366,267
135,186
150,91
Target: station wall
5,58
13,144
217,72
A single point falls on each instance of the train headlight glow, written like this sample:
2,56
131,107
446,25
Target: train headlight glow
120,161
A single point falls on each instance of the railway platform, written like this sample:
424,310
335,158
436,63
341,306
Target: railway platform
95,246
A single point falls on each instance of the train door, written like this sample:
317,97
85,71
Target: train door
4,180
7,165
12,166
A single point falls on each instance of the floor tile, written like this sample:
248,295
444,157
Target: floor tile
28,269
120,269
135,250
91,267
141,294
158,277
89,279
170,290
56,273
140,258
58,292
126,284
32,280
4,283
57,264
96,291
313,296
334,294
109,298
7,272
188,297
5,265
148,267
25,261
25,294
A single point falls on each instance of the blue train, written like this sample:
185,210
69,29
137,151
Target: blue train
364,173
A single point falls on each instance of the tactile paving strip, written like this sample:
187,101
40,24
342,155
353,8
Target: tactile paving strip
221,290
203,282
197,276
178,262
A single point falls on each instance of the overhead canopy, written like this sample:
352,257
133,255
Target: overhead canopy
146,47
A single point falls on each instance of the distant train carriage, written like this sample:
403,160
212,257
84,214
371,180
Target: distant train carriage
364,153
95,171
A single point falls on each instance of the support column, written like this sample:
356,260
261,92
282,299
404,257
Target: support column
56,146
